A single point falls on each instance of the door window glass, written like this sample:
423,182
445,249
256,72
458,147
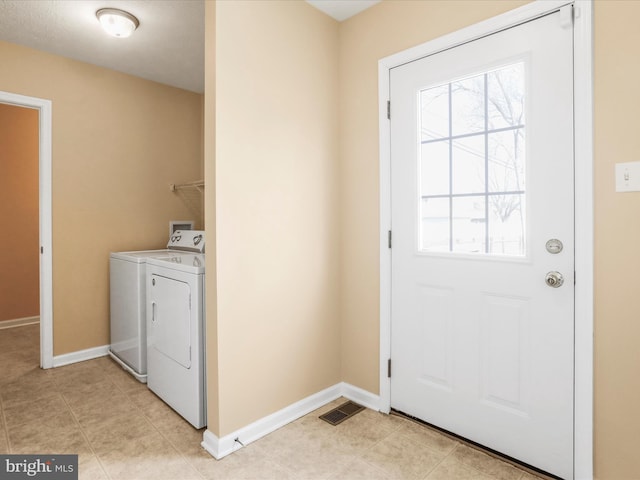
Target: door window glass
472,164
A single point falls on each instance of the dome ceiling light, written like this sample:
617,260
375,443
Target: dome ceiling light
117,23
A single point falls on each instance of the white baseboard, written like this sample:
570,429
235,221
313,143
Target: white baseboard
19,322
80,356
221,447
358,395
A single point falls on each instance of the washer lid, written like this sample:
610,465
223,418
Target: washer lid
181,261
188,240
139,256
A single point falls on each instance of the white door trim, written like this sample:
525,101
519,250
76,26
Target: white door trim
584,250
44,169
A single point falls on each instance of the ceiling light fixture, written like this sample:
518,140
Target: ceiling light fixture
117,23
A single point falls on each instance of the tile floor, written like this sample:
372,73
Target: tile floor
123,431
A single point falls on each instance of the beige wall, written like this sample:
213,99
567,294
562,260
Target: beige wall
19,240
118,141
276,207
617,262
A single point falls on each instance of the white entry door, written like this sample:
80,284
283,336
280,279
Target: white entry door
482,206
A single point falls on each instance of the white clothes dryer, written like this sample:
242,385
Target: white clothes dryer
128,317
176,333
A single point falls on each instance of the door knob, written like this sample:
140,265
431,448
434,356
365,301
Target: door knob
554,279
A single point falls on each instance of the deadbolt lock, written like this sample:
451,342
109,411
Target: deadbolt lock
554,246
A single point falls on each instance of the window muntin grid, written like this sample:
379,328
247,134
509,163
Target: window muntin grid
472,164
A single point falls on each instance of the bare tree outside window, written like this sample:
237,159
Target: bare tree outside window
472,165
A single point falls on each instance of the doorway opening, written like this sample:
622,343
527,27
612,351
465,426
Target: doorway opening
19,282
44,228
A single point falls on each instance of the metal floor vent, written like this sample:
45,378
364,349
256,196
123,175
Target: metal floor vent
341,413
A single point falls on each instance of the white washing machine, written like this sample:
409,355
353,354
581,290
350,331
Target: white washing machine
128,318
176,333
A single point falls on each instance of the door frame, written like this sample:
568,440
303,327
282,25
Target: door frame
584,212
45,221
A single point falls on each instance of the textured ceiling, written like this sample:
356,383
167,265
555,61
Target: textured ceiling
167,47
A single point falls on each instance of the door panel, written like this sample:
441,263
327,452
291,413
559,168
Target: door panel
505,355
171,319
481,179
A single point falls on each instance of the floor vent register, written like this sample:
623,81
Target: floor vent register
341,413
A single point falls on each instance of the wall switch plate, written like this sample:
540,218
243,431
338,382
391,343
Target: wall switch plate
628,177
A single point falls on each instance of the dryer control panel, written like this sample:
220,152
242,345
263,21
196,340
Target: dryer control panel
187,240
